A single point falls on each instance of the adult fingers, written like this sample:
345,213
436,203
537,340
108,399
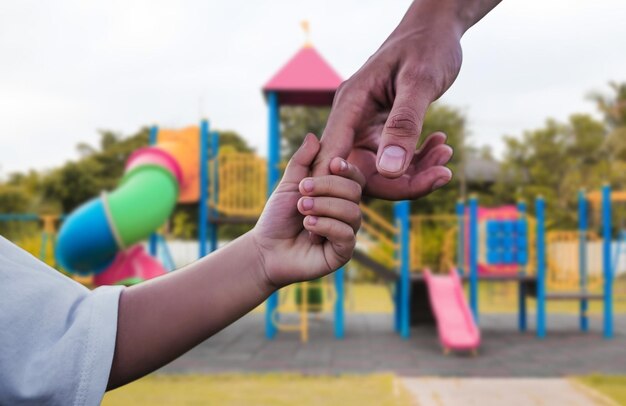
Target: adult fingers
408,186
341,167
339,209
345,115
299,165
401,131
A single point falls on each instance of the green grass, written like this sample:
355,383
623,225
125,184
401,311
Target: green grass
265,389
613,387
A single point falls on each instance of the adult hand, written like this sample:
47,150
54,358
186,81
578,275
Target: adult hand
377,114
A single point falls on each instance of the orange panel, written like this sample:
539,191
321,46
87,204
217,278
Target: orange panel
184,146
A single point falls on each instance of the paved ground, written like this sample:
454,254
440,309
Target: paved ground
496,392
370,346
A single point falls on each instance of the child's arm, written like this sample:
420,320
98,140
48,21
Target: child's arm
161,319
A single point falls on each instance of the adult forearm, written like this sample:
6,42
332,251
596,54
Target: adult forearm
456,15
161,319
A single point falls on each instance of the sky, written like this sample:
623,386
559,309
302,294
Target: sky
70,68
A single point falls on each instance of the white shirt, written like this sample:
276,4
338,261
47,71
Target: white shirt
57,337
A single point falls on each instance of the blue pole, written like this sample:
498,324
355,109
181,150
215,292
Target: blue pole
204,186
397,301
404,209
607,277
339,303
473,247
521,286
582,258
273,160
541,267
460,249
213,226
153,242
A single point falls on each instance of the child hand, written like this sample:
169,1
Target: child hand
327,206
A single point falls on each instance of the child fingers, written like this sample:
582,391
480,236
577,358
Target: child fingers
331,185
343,168
340,234
339,209
300,163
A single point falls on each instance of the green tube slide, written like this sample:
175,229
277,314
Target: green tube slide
142,202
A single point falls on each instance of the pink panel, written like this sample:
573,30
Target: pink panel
133,263
154,156
305,71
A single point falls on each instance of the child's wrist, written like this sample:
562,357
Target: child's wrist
259,271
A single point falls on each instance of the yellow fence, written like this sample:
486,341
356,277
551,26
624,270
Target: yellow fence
241,184
377,237
563,260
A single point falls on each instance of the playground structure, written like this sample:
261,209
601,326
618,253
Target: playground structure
100,236
480,245
505,244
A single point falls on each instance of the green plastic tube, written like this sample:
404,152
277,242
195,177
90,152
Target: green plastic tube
142,202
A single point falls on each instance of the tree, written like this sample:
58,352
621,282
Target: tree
296,122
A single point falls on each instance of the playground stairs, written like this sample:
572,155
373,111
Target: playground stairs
376,245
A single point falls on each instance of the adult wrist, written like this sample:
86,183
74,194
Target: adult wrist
451,16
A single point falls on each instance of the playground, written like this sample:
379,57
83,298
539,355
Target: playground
507,293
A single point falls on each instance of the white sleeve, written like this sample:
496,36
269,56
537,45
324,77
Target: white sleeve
57,337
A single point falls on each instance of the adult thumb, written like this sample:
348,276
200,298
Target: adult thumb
401,133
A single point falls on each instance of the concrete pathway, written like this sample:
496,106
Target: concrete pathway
496,391
371,346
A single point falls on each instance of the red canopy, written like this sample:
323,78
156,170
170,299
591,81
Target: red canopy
307,79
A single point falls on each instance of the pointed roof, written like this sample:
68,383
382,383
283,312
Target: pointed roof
306,79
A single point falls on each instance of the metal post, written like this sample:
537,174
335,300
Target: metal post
153,239
403,211
213,226
273,160
541,267
204,186
473,247
397,302
607,274
339,303
582,258
460,240
521,320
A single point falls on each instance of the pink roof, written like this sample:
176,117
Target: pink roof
306,79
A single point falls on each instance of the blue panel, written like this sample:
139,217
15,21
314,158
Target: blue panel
508,242
493,227
508,257
521,227
85,244
508,226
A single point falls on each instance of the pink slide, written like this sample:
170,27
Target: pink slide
455,323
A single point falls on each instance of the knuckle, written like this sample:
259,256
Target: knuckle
357,190
403,122
328,205
358,218
423,75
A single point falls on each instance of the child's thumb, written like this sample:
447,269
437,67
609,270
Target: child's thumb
299,165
